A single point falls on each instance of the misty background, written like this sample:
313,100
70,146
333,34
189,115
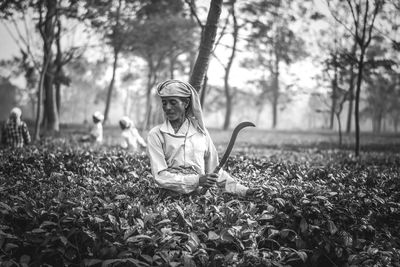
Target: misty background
281,64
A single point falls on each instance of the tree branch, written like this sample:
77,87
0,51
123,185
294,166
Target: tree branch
194,14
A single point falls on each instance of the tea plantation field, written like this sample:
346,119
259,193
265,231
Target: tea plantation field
63,203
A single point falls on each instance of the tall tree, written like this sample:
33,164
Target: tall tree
363,18
274,43
351,86
228,65
363,15
47,13
106,16
206,44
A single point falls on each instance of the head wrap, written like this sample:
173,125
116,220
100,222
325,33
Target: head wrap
98,116
125,122
15,115
182,89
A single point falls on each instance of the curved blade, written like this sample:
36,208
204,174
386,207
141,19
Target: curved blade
235,132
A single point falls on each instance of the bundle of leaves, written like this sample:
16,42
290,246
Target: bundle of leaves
64,204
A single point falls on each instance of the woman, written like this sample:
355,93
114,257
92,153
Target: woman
96,129
96,132
182,154
131,139
15,132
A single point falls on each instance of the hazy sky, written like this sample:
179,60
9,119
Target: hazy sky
8,49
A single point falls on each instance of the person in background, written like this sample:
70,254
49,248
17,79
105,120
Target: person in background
182,154
96,130
15,132
131,139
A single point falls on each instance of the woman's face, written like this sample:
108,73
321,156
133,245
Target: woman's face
174,107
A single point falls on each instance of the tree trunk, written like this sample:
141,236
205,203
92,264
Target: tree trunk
339,128
46,29
203,91
51,113
228,110
357,101
172,61
151,78
381,122
192,53
351,91
228,94
334,93
117,49
39,107
52,121
58,67
206,44
111,86
363,38
58,98
275,96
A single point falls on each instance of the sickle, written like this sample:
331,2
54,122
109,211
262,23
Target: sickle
235,133
225,157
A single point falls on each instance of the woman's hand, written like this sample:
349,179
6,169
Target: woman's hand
255,192
208,180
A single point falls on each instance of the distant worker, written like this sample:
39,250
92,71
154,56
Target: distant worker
131,139
96,130
15,132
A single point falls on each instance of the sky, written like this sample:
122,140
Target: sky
238,78
8,48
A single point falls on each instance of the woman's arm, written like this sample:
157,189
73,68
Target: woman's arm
224,180
139,138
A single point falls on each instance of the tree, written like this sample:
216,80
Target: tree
274,43
364,20
352,63
86,89
363,14
112,19
382,89
206,45
227,67
47,13
163,41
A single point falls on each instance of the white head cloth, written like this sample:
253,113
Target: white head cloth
15,115
182,89
126,122
98,116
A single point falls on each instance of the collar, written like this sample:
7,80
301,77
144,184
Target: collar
188,128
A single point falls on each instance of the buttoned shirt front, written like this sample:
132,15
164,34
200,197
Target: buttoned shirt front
178,159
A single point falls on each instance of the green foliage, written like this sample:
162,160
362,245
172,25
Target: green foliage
67,205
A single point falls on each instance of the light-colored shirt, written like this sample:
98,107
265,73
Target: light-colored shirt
178,159
96,132
131,139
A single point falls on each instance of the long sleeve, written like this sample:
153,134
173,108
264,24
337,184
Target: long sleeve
226,181
25,134
139,138
172,179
